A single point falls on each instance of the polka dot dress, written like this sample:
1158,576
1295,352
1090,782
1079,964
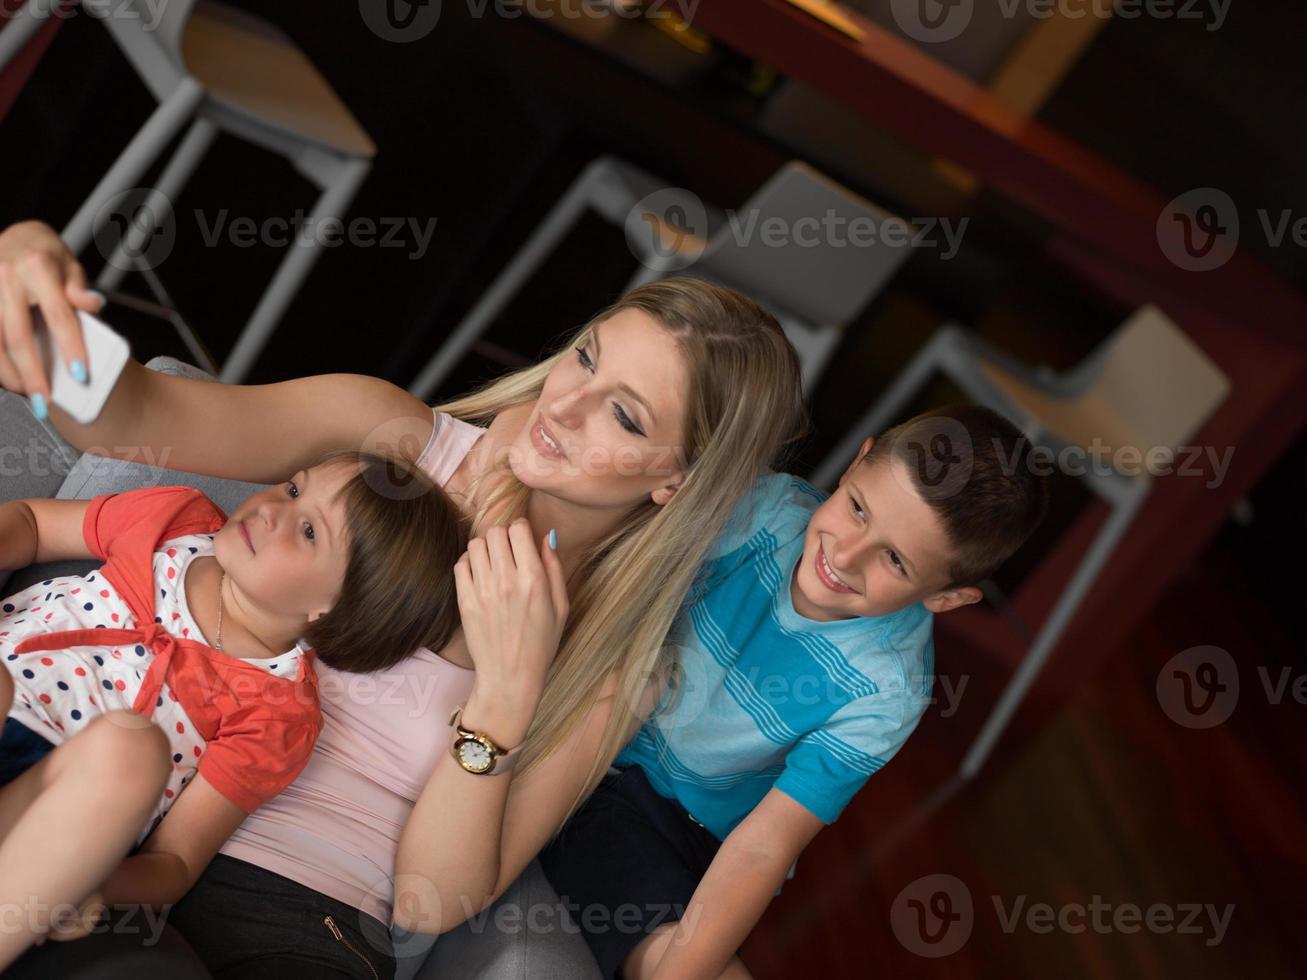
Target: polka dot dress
57,693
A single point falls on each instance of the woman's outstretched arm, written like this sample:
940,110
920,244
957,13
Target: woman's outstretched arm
257,433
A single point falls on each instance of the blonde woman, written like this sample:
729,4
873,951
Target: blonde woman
598,482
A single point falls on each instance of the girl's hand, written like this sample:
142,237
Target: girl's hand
512,595
37,269
17,535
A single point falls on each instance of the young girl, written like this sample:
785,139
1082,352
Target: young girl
206,627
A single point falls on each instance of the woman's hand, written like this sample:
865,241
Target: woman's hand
512,595
37,269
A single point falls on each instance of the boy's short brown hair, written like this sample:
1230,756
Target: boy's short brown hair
405,535
972,466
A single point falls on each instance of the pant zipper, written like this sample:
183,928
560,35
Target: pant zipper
340,938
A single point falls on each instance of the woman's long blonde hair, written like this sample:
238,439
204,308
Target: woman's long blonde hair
744,405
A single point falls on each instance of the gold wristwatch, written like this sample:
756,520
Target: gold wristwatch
477,752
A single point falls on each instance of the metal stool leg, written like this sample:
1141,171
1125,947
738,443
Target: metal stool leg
932,357
179,169
290,274
142,151
19,28
593,183
1058,618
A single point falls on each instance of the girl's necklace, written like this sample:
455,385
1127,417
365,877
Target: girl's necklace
221,582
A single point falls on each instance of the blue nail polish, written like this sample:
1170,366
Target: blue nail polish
553,540
78,370
38,406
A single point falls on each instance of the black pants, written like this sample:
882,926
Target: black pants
626,863
20,749
243,923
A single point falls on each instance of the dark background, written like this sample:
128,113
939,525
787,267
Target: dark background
485,122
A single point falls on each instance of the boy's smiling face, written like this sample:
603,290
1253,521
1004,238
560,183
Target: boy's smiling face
875,547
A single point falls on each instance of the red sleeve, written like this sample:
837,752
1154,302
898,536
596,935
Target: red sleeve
119,522
124,529
260,750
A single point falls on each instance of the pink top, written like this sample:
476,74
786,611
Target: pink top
336,828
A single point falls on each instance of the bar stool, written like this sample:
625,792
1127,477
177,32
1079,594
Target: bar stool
220,69
812,287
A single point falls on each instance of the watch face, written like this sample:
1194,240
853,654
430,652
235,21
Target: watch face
474,756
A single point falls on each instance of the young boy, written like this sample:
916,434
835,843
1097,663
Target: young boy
805,662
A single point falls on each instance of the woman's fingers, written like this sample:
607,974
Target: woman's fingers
9,377
501,555
469,603
78,290
46,287
524,548
11,313
508,557
20,346
553,566
463,581
478,561
37,269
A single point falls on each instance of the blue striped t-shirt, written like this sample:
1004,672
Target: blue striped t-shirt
767,698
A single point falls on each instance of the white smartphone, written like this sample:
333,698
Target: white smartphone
106,356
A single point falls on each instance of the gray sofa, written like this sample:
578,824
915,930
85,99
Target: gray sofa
526,935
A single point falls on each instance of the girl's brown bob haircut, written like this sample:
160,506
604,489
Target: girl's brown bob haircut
405,535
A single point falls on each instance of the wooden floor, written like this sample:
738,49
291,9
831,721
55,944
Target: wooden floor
1112,803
